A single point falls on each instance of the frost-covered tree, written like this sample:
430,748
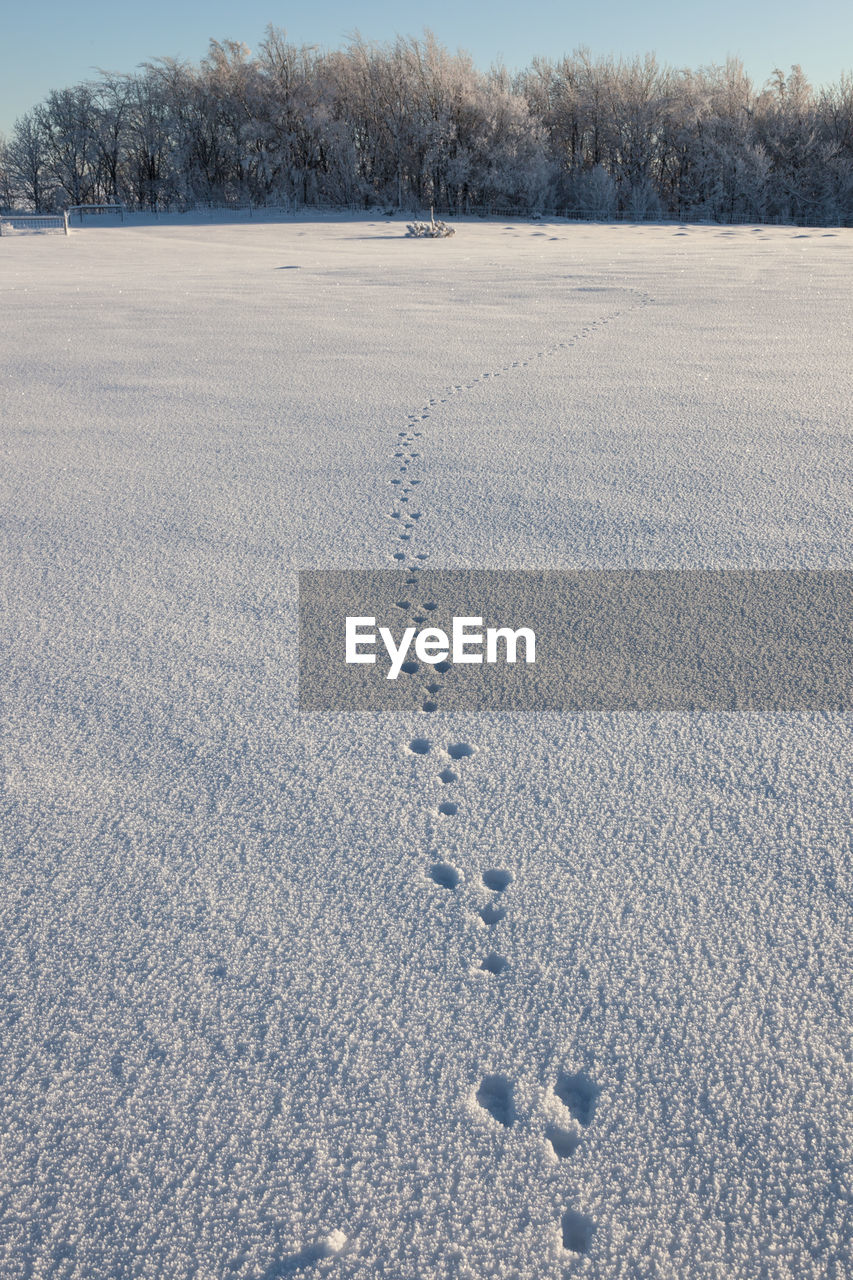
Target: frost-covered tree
6,191
148,159
595,193
68,120
26,163
412,125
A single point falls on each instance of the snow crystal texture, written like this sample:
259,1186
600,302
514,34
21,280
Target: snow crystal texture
425,996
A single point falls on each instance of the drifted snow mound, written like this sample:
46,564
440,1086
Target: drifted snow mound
435,227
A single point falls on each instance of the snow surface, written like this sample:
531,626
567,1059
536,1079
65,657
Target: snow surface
267,1010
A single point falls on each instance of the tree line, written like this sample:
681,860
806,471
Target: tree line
408,124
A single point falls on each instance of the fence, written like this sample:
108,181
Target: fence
12,222
99,209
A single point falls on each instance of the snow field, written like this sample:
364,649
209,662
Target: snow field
431,995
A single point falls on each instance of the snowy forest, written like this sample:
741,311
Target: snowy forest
409,124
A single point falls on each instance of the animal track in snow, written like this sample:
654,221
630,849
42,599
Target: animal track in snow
495,1096
579,1094
495,1093
564,1141
577,1231
444,875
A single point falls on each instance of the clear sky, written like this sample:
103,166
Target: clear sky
48,45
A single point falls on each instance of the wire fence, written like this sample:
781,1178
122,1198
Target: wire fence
74,214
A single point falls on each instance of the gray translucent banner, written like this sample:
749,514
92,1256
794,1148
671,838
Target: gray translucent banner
611,640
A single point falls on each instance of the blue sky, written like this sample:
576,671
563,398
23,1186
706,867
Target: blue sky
47,44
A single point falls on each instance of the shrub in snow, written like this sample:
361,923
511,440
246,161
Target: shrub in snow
435,227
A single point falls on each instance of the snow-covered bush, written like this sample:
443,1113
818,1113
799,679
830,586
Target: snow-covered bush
435,227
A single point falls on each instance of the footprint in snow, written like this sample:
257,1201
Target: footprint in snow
577,1231
497,880
579,1094
564,1141
444,875
495,1096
